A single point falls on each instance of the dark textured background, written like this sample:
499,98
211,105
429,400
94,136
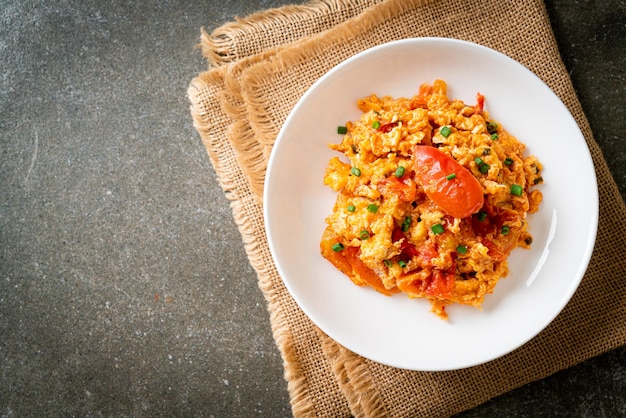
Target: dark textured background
124,287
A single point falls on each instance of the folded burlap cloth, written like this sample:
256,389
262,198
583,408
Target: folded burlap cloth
261,65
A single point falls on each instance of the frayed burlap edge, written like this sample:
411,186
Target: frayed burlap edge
349,370
255,33
212,124
251,155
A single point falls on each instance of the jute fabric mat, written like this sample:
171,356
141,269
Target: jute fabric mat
238,107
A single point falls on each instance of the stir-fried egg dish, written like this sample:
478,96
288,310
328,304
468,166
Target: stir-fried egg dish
432,197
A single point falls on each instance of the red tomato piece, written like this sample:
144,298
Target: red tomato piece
460,196
408,249
350,264
404,188
366,274
420,99
387,127
480,103
441,283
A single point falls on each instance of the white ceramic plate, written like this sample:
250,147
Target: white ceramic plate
399,331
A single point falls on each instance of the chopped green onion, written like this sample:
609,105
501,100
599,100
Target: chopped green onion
508,161
445,131
482,215
399,171
376,125
494,137
337,247
461,249
437,229
402,263
505,230
355,172
406,224
341,130
351,208
482,167
387,263
372,208
451,176
537,180
486,151
492,127
364,234
516,190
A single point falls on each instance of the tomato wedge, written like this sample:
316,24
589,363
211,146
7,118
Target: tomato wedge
349,263
450,185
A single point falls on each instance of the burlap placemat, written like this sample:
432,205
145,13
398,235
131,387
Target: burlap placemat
238,109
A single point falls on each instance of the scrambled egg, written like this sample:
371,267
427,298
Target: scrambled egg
391,226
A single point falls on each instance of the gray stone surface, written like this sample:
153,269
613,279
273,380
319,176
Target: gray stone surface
124,287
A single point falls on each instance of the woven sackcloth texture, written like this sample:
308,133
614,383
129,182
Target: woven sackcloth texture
238,108
264,30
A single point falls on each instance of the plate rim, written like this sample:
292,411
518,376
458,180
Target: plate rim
591,235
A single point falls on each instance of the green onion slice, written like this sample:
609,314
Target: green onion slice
402,263
445,131
482,215
451,176
406,224
342,130
372,208
364,234
337,247
505,230
461,249
355,172
351,208
399,171
437,229
516,190
376,125
508,161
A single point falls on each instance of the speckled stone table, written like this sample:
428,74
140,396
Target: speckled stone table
124,286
